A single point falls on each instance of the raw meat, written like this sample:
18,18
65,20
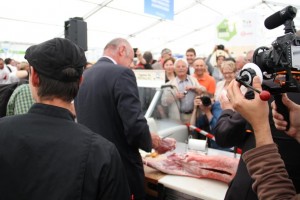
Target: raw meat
166,144
218,167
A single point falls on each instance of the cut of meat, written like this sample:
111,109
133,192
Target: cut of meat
222,168
166,144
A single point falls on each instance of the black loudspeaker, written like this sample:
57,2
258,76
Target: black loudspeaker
76,31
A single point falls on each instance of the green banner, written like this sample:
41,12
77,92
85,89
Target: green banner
224,31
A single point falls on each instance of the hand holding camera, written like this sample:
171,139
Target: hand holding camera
203,102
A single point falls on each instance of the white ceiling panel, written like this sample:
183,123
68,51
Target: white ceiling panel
33,21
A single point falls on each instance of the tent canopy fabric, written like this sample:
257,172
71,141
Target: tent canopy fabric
194,25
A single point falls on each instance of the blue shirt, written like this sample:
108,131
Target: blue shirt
203,123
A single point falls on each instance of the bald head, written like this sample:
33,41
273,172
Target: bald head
240,61
120,50
249,56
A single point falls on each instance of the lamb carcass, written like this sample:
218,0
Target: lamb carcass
218,167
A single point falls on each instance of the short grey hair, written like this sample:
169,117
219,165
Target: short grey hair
181,59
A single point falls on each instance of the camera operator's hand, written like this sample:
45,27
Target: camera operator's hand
140,57
197,102
205,109
255,111
280,123
215,48
226,50
224,101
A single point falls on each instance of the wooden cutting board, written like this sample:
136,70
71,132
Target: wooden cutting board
152,177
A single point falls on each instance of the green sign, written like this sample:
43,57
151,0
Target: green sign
224,31
12,51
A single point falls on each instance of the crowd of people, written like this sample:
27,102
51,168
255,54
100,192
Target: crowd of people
74,129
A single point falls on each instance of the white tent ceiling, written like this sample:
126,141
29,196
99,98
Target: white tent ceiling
194,25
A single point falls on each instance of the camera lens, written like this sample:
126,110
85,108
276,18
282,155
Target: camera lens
206,101
221,47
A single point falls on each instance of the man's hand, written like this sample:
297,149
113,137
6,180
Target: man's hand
224,101
162,145
280,123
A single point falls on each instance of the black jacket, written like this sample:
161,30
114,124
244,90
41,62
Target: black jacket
233,130
108,103
45,155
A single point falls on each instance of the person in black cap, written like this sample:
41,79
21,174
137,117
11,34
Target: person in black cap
44,154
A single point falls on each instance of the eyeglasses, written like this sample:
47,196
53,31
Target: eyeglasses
228,73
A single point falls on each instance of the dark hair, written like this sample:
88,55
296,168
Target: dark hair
165,51
7,61
51,88
191,50
148,57
166,60
220,56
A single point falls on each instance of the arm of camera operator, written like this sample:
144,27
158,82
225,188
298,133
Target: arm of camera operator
195,114
224,101
206,110
140,57
255,111
264,163
280,123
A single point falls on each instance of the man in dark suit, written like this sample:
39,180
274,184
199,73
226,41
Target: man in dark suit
108,103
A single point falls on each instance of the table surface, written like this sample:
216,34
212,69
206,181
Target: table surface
207,189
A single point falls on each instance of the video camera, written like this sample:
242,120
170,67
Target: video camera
277,66
206,101
280,64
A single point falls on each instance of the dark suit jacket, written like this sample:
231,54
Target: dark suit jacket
108,103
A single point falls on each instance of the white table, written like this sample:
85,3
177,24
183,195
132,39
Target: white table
207,189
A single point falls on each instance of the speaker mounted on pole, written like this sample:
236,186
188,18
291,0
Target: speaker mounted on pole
76,31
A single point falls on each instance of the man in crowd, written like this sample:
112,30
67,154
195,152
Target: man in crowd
108,103
165,54
190,55
9,74
203,77
44,154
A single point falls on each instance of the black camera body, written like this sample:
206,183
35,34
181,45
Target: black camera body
206,101
281,62
285,53
220,47
134,51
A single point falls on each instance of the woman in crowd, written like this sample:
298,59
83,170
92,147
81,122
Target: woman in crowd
228,69
168,66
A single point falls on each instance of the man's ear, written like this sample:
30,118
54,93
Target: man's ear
35,80
122,50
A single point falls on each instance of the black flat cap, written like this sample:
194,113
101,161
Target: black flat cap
52,57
